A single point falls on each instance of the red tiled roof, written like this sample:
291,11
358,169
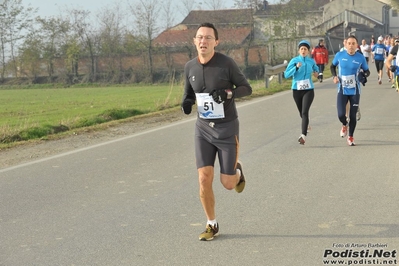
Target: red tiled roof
175,37
184,37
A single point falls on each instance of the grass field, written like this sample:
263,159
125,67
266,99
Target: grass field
66,106
35,112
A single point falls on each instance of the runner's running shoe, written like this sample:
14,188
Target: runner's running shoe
344,131
393,86
209,233
351,141
241,184
301,139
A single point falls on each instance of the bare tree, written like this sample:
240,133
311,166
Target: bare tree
215,4
30,55
186,7
83,28
288,14
284,24
146,15
168,13
15,19
112,31
51,32
71,52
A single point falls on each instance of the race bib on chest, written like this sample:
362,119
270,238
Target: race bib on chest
303,84
349,85
349,82
379,50
207,108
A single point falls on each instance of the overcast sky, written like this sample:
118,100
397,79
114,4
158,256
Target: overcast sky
54,7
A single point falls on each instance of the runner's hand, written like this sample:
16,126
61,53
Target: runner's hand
219,95
187,106
362,78
392,68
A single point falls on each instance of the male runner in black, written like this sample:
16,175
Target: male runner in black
213,81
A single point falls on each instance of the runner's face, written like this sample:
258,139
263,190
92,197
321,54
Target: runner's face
205,41
351,45
303,51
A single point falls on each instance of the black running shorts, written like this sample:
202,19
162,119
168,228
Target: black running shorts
217,138
379,65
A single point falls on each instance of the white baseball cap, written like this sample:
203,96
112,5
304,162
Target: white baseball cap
380,38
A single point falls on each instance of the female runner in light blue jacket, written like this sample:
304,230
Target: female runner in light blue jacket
301,69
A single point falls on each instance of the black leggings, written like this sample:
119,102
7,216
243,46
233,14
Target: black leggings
342,100
303,100
321,70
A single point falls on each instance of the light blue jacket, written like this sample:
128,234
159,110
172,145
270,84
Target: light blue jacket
301,74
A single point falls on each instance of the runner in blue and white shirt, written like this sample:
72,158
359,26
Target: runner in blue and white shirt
379,53
352,70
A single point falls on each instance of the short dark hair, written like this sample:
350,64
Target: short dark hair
210,25
353,37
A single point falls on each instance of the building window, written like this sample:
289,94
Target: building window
394,13
277,30
301,29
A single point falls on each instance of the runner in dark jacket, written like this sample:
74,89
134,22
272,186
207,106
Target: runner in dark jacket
213,81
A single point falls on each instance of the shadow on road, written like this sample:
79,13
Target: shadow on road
389,231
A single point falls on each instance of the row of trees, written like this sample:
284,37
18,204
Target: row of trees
27,41
117,30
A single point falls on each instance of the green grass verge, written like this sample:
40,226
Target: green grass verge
40,112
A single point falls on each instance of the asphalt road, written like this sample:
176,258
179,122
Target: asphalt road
134,201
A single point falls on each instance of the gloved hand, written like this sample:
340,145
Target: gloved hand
219,95
362,78
392,68
187,106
